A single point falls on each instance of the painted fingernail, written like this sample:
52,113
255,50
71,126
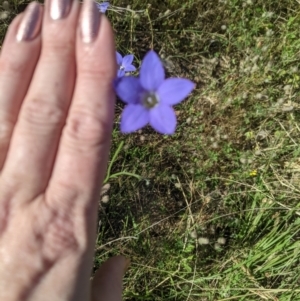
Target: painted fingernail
30,25
90,21
59,9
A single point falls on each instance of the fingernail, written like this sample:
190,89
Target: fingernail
59,9
90,21
30,25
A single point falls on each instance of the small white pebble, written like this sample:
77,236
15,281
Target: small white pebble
6,5
287,108
247,70
224,27
269,32
258,152
245,95
221,241
262,134
215,145
213,61
178,185
294,69
142,138
269,65
192,171
287,89
105,199
217,247
267,14
3,15
280,101
189,120
203,241
193,234
229,101
254,68
259,96
255,59
243,160
105,188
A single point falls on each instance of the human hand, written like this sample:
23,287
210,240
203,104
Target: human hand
56,114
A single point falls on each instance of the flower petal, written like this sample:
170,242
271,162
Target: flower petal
133,118
129,68
163,119
103,6
173,90
129,89
119,58
127,60
120,73
152,72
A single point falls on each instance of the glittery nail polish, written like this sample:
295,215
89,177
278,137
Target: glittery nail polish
59,9
90,21
30,24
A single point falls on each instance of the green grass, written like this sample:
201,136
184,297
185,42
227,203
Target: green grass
231,173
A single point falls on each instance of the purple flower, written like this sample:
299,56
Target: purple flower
125,64
103,6
150,97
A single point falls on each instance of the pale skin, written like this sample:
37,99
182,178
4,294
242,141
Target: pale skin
56,117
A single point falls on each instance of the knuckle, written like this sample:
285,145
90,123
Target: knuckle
105,72
87,130
59,237
13,66
102,74
6,128
42,111
55,48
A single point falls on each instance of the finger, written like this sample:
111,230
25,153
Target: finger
83,151
107,283
18,59
43,113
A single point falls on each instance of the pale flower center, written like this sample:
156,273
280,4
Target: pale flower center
150,100
122,67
